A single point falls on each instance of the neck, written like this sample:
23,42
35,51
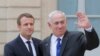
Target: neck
58,35
26,37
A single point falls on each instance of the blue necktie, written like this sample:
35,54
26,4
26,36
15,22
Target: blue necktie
30,48
58,47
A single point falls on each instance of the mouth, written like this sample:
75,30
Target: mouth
29,31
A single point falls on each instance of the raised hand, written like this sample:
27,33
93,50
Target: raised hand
83,21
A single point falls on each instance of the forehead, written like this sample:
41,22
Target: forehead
26,19
58,17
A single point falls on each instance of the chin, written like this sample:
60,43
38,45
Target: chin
29,34
61,34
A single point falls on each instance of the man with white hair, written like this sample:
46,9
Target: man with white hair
65,43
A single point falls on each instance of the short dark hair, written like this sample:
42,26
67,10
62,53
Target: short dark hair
24,15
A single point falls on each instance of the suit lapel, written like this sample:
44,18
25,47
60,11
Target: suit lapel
47,45
64,42
35,46
22,46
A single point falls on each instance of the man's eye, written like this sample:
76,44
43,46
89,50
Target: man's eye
25,24
31,24
62,22
56,23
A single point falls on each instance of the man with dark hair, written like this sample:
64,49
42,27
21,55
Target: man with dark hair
24,44
65,43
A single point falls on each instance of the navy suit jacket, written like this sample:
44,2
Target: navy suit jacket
73,43
18,48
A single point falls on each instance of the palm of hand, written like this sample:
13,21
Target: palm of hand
83,21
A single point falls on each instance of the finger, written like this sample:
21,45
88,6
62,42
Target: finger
81,15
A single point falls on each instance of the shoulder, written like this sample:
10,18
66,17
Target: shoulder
11,44
46,40
36,40
75,33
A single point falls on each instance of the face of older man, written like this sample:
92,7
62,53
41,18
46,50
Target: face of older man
58,24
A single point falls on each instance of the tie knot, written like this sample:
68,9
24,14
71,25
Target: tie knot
28,42
58,39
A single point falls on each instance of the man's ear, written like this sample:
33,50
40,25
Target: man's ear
18,26
49,24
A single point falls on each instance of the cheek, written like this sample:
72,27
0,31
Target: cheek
32,29
64,25
24,28
55,27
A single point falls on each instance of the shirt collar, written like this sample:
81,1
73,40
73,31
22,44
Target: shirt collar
24,39
61,37
54,38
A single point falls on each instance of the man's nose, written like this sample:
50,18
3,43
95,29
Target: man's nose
59,25
29,26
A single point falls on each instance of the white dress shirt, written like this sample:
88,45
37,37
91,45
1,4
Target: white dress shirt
32,44
88,29
53,45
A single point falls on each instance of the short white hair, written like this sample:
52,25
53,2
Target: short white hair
55,12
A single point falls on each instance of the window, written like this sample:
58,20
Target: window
90,7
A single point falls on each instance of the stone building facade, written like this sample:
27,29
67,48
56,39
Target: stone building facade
11,9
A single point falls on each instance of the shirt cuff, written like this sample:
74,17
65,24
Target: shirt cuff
89,29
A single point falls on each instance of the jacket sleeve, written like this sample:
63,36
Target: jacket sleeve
8,50
92,40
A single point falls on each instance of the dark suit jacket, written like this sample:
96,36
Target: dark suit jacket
73,43
18,48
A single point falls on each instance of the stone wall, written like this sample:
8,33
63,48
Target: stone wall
11,9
